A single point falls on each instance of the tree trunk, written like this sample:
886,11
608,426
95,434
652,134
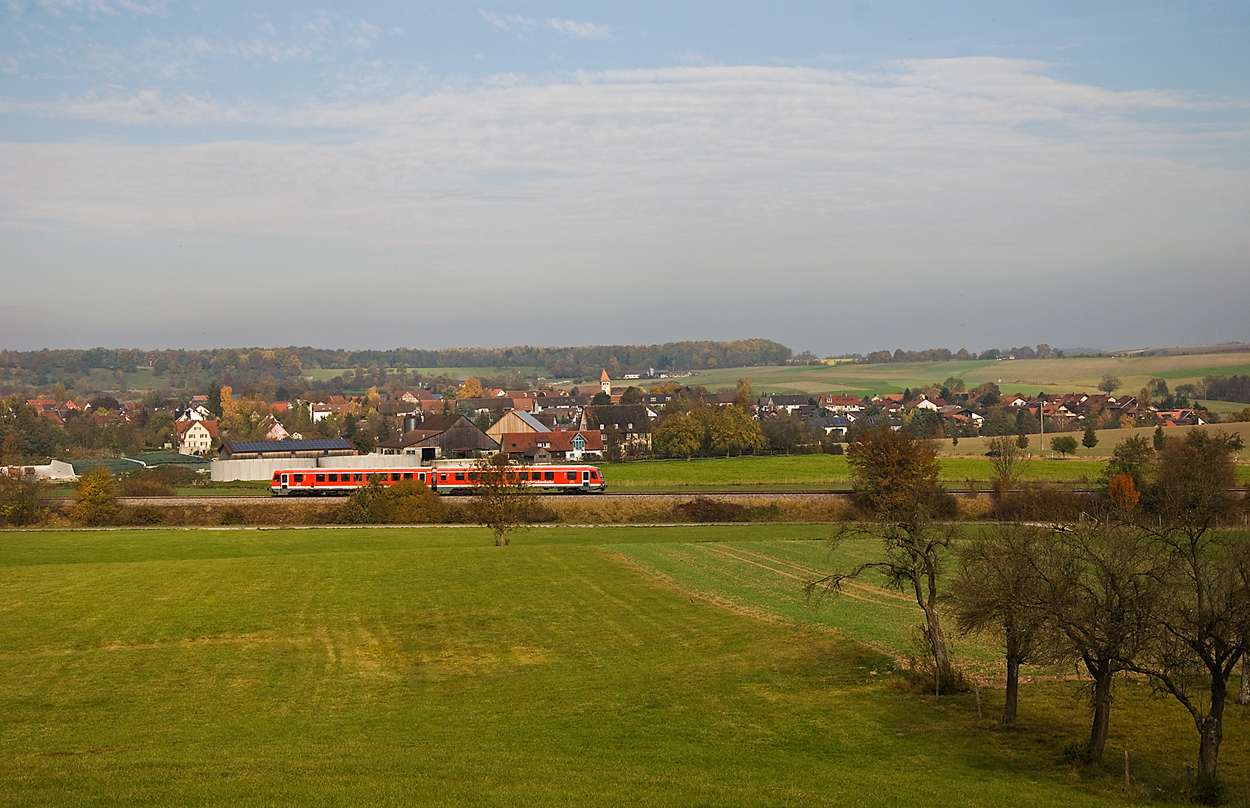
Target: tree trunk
1102,713
1243,696
941,659
1211,732
1013,689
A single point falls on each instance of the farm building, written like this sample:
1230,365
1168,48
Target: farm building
547,447
441,436
514,422
629,420
267,450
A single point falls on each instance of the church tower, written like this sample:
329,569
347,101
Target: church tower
605,383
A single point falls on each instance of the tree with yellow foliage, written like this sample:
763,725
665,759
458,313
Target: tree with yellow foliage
471,388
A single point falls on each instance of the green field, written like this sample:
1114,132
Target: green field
820,471
1026,376
1108,439
591,666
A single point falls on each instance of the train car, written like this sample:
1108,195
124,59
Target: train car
442,479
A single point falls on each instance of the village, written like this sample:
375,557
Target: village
246,438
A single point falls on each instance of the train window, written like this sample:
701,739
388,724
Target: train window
472,476
358,477
421,476
299,478
459,476
334,478
321,478
275,477
376,478
594,475
394,476
443,476
407,475
572,476
549,475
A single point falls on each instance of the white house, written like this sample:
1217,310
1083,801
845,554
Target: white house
196,437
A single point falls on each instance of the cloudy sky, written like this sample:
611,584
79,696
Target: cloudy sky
838,176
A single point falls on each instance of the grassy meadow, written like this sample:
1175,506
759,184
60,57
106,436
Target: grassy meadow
831,472
580,666
1025,376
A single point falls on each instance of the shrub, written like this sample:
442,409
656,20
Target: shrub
131,486
973,509
140,515
158,481
176,476
1077,751
406,502
1040,502
19,499
233,515
1205,790
95,501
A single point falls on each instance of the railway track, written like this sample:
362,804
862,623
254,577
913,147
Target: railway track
264,500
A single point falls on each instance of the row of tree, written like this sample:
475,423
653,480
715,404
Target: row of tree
1154,582
1042,351
250,364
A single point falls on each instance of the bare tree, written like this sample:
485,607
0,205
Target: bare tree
896,483
502,501
1099,587
1007,460
1204,609
997,589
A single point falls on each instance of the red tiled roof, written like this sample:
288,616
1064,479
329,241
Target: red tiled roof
556,441
183,426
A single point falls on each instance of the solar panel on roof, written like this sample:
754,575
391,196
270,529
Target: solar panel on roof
289,445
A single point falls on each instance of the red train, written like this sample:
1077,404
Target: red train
442,479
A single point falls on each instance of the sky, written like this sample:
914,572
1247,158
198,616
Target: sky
837,176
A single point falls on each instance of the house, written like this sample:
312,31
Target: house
551,416
1124,405
421,399
333,405
540,447
49,409
1181,417
271,429
840,403
194,412
441,436
722,399
563,403
319,411
833,425
516,421
790,405
926,403
629,421
195,437
398,408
